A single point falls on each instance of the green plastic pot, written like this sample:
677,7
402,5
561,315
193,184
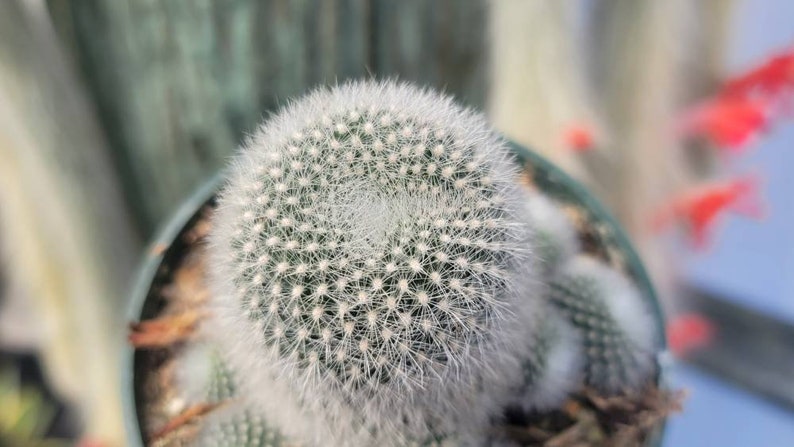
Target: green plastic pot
145,304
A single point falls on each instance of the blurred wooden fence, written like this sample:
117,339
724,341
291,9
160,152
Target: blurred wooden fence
178,83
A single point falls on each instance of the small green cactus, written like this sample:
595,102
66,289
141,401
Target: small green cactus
222,385
616,329
554,368
205,377
237,423
239,427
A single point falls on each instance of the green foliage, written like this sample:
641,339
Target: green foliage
25,414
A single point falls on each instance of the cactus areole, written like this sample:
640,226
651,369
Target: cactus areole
380,274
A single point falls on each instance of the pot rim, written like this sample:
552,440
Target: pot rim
147,271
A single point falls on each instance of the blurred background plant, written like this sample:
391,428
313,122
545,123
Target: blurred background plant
112,111
25,413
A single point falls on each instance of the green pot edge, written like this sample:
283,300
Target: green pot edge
146,273
175,224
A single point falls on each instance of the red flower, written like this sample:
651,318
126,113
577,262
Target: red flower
699,209
771,79
745,104
90,442
579,138
688,332
729,123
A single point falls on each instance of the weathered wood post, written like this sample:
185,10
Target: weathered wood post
180,82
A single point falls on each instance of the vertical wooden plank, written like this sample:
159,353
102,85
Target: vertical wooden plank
284,29
437,43
179,83
237,59
353,39
405,40
336,48
462,49
638,79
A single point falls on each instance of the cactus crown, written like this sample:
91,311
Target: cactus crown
371,244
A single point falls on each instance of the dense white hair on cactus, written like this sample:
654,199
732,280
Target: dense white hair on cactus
371,259
193,373
557,370
238,425
617,329
555,236
204,377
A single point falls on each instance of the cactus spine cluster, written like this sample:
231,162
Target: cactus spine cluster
378,276
552,368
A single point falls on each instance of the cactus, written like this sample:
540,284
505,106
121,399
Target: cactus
205,377
239,427
202,376
237,423
553,368
376,266
555,237
616,329
372,265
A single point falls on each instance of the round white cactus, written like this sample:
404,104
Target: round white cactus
371,261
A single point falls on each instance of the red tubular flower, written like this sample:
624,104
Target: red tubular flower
701,208
730,123
745,104
771,79
579,138
688,332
